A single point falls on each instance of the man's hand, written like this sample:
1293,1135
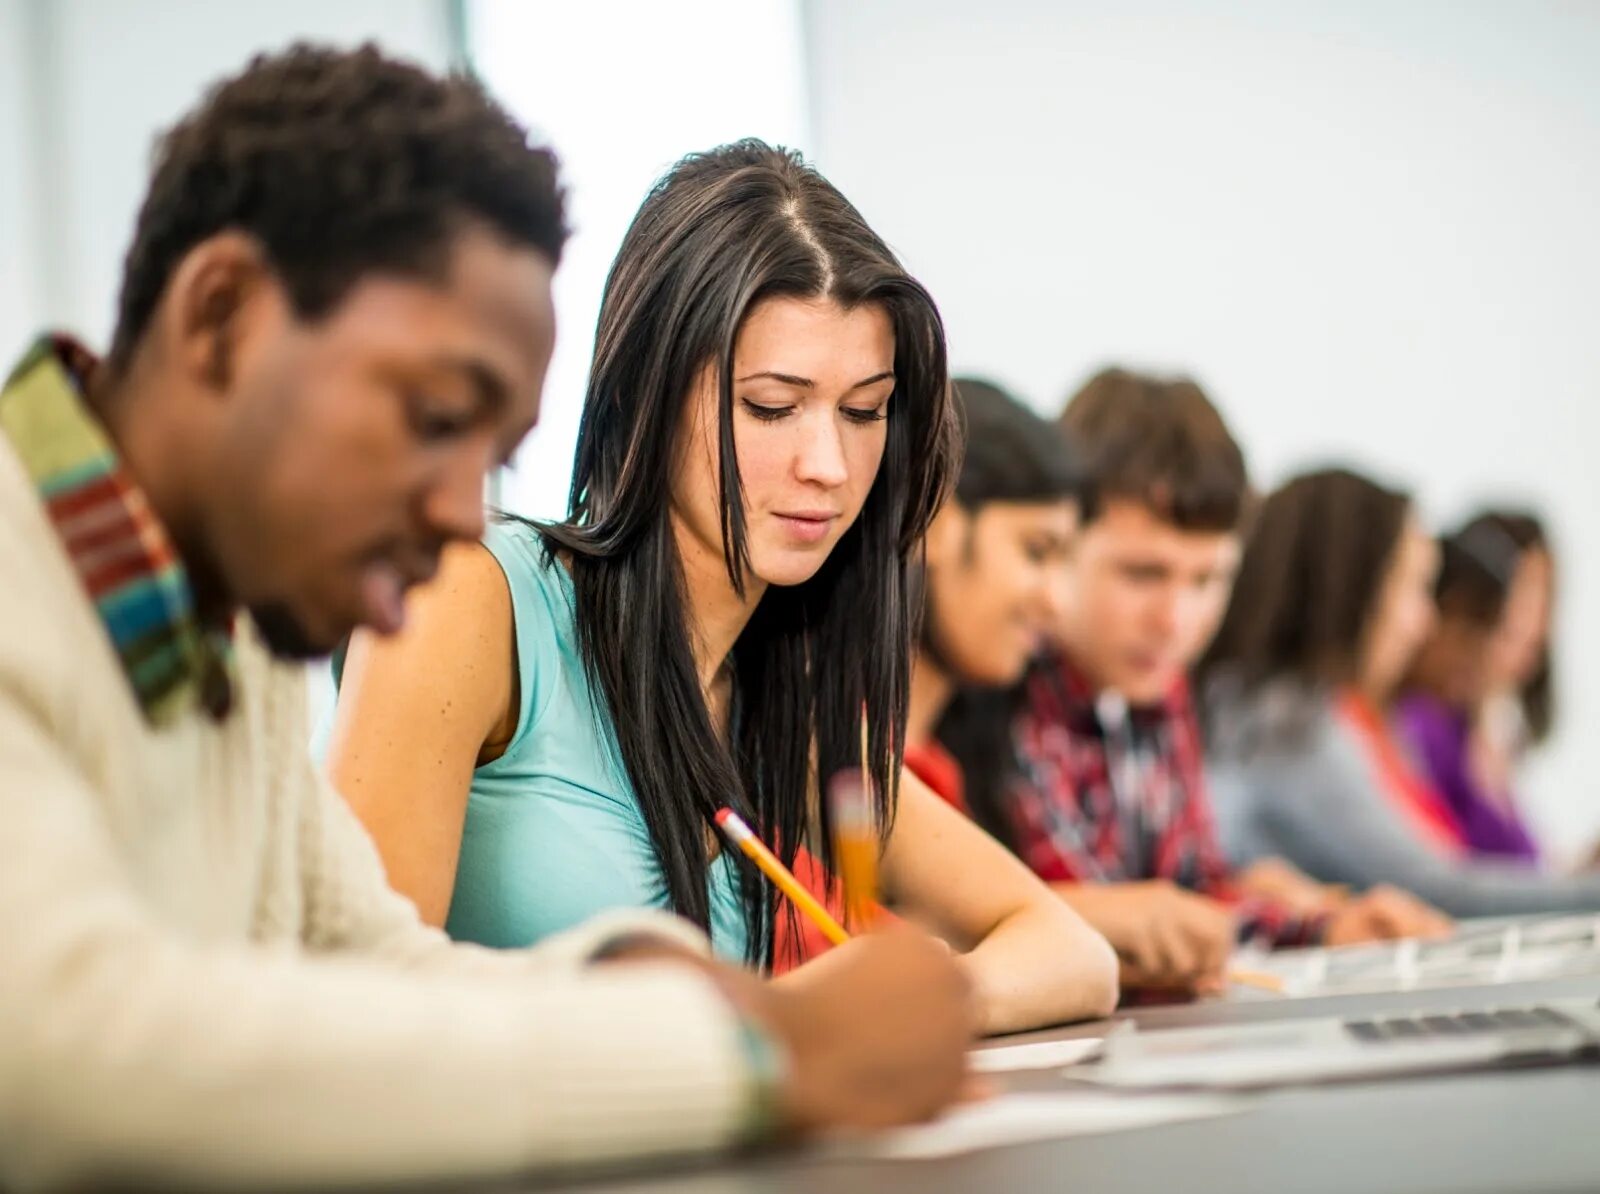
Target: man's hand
1383,914
876,1031
1167,938
1285,884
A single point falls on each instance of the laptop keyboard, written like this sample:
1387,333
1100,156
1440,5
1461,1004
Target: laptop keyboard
1410,1028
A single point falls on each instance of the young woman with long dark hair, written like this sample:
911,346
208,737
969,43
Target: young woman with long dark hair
1334,599
766,436
1479,693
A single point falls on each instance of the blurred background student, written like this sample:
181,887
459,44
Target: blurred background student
1334,599
1100,785
1478,696
993,576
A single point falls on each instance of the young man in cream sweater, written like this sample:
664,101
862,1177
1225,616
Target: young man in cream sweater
335,319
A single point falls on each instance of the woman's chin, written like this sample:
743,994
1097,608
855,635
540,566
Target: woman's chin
788,567
999,673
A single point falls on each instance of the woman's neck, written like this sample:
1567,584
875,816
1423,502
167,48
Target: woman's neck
715,614
931,692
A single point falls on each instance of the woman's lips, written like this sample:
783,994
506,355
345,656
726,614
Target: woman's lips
807,526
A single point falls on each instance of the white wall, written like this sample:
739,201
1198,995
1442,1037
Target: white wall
86,86
20,283
622,89
1372,229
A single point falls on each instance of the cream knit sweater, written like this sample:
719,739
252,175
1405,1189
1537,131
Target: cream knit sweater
205,979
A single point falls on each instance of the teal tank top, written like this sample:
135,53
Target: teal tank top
554,833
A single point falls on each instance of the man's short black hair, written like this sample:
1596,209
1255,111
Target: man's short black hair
340,164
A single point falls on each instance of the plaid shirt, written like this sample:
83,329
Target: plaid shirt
111,537
1111,794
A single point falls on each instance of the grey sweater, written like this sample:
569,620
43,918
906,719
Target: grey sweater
1289,779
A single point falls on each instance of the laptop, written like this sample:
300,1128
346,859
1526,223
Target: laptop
1249,1056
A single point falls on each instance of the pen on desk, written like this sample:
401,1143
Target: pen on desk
741,835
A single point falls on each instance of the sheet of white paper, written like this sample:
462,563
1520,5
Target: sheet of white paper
1020,1118
1042,1055
1483,953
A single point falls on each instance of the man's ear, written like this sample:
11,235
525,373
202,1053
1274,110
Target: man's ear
213,296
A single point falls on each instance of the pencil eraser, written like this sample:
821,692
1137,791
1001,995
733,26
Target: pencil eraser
722,817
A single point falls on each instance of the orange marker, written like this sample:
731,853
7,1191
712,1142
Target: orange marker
782,878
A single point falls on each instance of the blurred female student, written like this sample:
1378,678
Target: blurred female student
766,436
1333,600
1479,692
995,567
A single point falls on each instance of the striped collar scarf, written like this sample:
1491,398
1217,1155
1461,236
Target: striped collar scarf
122,555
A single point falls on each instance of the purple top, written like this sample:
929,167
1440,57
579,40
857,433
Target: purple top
1437,735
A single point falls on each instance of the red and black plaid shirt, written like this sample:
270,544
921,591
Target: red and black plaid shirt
1110,794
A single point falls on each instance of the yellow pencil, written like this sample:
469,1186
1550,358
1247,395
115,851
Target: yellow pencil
855,840
741,835
1254,978
866,769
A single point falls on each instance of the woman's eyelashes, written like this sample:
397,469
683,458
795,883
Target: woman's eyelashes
771,413
867,414
765,412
